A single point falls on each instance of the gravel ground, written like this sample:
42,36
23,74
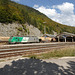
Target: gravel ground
27,66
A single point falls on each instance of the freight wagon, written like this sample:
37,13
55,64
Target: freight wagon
26,39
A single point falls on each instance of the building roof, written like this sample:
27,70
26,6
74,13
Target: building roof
49,35
66,34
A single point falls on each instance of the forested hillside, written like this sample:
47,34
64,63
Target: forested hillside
13,12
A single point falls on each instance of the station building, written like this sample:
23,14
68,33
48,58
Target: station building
48,38
65,37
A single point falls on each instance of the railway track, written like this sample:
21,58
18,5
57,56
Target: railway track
27,49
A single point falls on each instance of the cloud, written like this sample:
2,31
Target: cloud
66,8
63,13
36,6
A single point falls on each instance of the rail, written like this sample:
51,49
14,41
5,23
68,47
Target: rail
22,49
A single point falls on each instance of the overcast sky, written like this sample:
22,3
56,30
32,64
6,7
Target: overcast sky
62,11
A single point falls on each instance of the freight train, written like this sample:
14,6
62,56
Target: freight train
26,39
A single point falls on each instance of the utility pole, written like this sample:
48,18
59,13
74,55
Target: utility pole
44,28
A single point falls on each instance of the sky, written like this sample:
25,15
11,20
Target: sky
61,11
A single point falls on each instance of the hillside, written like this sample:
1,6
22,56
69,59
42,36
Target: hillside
11,12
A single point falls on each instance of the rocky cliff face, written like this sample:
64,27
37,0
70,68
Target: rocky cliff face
16,29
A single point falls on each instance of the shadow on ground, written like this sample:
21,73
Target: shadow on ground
36,67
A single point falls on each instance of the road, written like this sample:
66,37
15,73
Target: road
27,66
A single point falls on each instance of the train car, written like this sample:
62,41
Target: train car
26,39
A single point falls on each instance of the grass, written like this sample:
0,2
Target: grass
69,51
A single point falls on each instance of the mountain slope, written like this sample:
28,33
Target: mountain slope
13,12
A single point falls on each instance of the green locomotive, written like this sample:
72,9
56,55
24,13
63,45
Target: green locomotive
26,39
